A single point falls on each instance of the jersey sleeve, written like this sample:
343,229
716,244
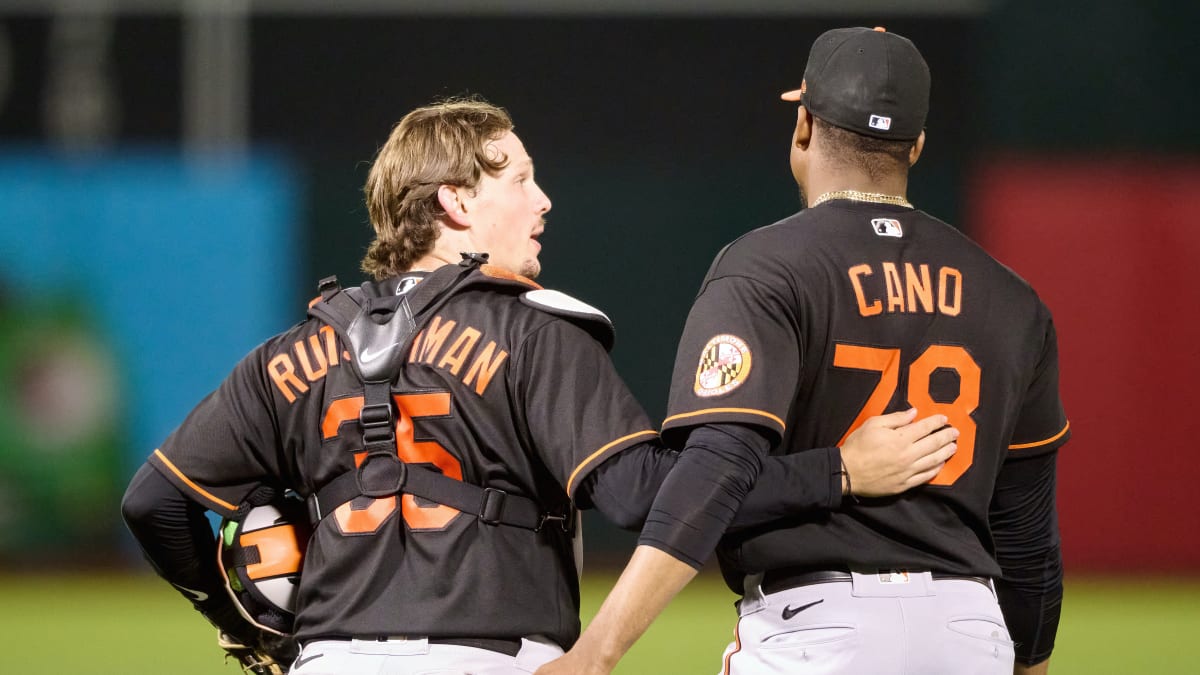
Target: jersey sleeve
577,410
1042,425
738,360
228,444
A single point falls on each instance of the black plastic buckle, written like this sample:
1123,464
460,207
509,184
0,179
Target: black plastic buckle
491,505
377,424
469,259
390,476
566,522
314,509
328,286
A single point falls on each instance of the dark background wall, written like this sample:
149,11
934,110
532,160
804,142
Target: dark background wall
659,137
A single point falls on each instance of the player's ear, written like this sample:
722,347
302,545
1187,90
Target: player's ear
802,135
452,199
915,152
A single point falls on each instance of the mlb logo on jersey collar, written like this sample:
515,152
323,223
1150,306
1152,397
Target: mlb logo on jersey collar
887,227
406,284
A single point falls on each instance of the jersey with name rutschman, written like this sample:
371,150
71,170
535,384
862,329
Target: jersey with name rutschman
493,392
847,310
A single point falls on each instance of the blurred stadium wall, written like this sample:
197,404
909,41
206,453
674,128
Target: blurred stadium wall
658,134
132,281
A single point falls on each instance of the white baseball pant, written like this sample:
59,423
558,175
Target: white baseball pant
418,657
889,623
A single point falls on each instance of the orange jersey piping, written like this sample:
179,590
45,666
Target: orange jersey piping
606,446
748,411
737,645
199,490
1055,437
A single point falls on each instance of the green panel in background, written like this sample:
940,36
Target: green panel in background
60,439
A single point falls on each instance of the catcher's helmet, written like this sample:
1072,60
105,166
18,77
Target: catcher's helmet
261,555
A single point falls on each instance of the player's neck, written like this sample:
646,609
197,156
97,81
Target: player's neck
447,250
432,261
823,182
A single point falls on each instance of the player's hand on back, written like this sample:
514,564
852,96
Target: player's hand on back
572,663
889,454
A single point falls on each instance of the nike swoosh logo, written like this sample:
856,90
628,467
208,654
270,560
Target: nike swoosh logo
306,659
788,612
196,596
368,356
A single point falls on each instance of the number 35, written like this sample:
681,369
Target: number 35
887,363
409,407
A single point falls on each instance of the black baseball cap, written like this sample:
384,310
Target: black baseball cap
866,80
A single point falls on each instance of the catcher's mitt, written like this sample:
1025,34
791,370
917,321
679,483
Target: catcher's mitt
256,660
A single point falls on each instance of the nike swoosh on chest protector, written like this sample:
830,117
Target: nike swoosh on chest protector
368,356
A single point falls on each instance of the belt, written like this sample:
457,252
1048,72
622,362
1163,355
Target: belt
502,645
789,577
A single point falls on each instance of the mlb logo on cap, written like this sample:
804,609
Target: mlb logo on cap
880,122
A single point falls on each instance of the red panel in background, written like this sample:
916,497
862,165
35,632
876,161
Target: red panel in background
1113,247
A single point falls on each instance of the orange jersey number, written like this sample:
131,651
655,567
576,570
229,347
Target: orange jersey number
410,451
887,363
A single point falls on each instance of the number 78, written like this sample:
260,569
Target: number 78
886,362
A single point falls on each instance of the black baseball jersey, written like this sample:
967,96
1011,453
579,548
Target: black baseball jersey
847,310
494,392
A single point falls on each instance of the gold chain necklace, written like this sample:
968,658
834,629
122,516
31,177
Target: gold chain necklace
856,196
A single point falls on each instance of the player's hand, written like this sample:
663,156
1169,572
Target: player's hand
264,655
889,454
572,663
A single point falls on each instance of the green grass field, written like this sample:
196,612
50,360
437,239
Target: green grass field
123,625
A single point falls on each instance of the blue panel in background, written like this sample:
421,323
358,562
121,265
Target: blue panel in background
183,265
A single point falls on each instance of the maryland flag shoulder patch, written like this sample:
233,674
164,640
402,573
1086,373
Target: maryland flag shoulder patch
724,365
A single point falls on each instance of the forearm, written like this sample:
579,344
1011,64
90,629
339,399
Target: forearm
650,580
176,538
697,501
1025,529
792,485
1031,599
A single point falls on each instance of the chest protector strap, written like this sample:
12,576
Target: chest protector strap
378,331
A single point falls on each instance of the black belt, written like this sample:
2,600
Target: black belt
501,645
789,577
510,647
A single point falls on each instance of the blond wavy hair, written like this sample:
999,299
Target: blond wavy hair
440,144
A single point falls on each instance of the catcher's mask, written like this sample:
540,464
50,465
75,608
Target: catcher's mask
261,555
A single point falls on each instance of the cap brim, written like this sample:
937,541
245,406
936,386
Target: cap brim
793,95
